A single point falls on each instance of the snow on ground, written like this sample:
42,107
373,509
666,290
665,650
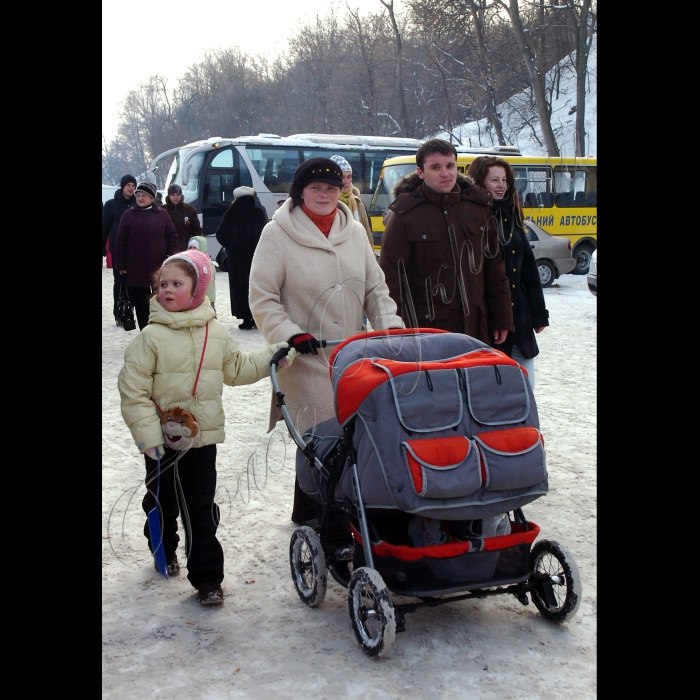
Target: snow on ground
263,642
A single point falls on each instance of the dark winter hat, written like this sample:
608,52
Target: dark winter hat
126,179
314,170
174,189
202,266
147,188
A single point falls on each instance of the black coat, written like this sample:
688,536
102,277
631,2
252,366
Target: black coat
111,214
239,232
527,298
185,219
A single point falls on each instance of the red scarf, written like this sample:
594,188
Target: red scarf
322,221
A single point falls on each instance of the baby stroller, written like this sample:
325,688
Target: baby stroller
420,482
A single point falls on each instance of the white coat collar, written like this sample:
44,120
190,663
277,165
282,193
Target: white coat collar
299,227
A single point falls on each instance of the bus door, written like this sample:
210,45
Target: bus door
223,173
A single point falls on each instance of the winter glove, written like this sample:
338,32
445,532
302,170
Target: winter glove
305,343
155,452
287,360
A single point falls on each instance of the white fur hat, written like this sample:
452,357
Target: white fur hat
243,191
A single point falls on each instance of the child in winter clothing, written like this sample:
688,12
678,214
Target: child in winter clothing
182,358
200,243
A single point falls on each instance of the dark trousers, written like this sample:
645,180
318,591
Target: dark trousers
238,292
187,487
140,297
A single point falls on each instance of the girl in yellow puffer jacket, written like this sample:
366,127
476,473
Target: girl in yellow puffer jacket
182,359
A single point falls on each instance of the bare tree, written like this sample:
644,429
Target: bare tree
399,66
536,70
476,8
584,18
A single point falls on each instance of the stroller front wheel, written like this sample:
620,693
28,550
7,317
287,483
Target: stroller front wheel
557,594
371,611
308,565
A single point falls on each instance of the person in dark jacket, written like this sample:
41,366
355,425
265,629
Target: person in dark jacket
239,233
146,236
530,314
184,216
111,215
440,252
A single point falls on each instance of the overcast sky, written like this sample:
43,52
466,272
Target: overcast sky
164,38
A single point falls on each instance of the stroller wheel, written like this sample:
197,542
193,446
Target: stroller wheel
558,593
371,611
308,565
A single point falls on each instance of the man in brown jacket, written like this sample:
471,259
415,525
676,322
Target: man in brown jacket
440,252
184,216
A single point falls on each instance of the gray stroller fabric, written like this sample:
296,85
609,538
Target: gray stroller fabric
323,438
445,426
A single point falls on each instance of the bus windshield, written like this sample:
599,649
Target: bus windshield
384,194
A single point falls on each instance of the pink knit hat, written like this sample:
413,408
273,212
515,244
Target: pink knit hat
202,265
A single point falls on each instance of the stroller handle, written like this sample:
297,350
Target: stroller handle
283,352
279,355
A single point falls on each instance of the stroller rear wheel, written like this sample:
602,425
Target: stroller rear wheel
308,565
558,595
371,611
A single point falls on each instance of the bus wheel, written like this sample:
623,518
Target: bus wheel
582,253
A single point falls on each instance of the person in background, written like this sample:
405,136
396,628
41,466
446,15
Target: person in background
184,216
182,360
530,314
200,243
350,196
145,237
440,252
314,276
239,233
111,215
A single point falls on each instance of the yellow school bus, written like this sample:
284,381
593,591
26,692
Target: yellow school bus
558,194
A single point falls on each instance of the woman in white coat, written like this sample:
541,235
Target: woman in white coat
314,276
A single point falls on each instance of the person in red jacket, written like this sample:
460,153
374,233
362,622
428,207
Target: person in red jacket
146,236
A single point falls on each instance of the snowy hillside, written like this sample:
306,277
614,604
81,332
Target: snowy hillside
563,119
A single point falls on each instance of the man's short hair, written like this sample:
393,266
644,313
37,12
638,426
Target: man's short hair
434,146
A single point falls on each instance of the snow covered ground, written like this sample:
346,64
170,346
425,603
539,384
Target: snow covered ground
263,642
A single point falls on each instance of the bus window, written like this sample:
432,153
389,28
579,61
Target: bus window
194,167
520,181
572,186
384,194
275,166
537,193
